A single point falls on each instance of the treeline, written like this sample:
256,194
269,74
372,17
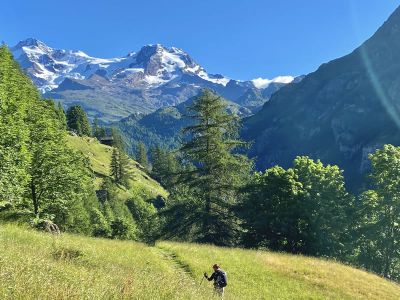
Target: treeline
215,197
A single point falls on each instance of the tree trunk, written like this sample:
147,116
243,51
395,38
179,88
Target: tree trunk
34,200
207,208
391,244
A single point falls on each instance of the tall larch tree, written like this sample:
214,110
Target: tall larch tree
219,172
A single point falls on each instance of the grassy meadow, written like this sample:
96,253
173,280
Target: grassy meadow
36,265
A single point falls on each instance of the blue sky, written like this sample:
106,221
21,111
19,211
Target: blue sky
242,39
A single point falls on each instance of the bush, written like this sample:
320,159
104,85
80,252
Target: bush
146,217
121,229
101,228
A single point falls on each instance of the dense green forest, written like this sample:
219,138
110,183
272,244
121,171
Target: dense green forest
215,196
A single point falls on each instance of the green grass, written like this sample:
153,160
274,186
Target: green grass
100,158
36,265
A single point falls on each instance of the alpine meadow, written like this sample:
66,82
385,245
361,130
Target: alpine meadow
144,176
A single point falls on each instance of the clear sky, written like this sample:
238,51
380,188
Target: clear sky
241,39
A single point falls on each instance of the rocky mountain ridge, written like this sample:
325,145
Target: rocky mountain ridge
142,81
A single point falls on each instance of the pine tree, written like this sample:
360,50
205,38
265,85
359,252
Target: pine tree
219,172
115,165
61,116
165,166
157,163
141,156
118,141
123,169
98,131
77,120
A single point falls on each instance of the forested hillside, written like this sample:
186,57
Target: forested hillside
163,128
50,177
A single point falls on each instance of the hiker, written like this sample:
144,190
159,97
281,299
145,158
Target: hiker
220,280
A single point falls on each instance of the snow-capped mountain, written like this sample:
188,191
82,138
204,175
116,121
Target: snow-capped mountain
142,81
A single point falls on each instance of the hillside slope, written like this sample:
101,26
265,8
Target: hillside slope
36,265
100,159
346,109
163,128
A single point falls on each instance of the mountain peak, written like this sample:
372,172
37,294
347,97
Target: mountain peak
30,42
148,51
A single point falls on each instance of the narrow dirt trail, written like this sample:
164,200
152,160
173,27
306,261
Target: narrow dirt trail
182,267
184,274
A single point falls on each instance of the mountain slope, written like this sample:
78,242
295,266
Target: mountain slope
143,81
99,156
37,265
340,113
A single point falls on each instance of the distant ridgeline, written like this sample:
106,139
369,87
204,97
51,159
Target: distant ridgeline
140,82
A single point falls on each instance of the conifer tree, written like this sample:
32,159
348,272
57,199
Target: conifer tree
219,172
77,120
141,155
61,116
98,131
123,168
120,167
165,166
115,165
118,141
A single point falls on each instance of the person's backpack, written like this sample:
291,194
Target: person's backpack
222,278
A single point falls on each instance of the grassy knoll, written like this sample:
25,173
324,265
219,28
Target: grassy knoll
36,265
